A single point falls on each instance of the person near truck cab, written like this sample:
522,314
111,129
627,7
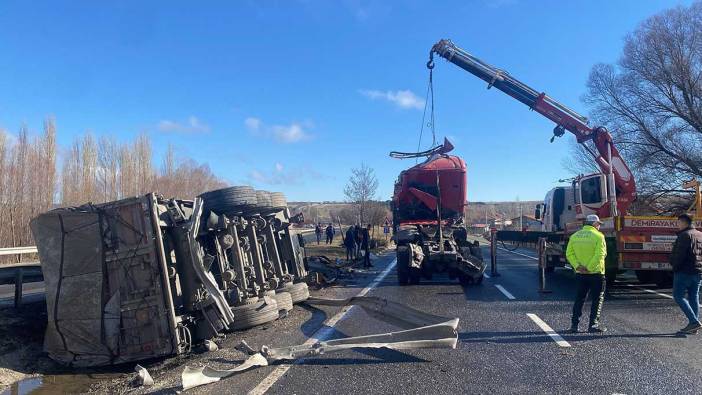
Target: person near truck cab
586,252
686,260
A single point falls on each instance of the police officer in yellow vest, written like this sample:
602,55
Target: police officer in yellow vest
586,252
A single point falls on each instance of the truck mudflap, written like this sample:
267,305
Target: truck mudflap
419,330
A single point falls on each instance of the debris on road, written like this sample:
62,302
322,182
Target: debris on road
420,330
143,376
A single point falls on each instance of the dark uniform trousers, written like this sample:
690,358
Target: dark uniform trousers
594,284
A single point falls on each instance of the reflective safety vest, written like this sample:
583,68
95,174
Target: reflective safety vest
587,248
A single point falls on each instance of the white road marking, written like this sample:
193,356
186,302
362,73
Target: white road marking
486,275
505,292
651,291
321,334
548,330
517,253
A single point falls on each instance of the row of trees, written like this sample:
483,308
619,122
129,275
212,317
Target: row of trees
91,170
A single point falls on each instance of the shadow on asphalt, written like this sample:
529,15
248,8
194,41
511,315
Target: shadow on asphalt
315,322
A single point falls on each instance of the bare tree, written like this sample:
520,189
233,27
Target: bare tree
361,189
651,100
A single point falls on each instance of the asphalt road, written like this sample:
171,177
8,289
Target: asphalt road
503,350
502,347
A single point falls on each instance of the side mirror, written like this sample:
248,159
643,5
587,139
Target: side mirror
537,212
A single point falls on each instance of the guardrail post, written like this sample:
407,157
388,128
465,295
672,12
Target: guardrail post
541,247
19,277
493,253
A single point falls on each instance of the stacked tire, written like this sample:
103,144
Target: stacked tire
230,201
255,311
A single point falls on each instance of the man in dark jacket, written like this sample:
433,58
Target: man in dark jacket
318,232
330,234
350,243
686,259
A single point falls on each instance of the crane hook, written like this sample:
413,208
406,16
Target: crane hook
430,63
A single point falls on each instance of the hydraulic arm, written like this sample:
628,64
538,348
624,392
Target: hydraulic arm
620,180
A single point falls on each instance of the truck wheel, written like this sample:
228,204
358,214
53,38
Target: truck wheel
465,279
278,200
284,300
663,279
610,277
427,272
403,265
299,292
229,200
415,275
644,276
250,315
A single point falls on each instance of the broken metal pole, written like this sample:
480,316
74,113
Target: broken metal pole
19,279
542,265
493,253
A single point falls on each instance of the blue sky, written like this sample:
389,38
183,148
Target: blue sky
290,95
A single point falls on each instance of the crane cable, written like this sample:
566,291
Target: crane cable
428,97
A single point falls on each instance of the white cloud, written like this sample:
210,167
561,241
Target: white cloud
192,125
405,99
278,167
289,134
293,133
252,124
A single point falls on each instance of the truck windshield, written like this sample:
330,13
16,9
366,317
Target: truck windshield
591,190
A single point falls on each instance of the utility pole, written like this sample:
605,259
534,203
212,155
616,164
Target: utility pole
521,217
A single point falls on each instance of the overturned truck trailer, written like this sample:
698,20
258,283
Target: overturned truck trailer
147,277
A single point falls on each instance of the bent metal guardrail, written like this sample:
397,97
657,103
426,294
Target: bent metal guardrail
20,273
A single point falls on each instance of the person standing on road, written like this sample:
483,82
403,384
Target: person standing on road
365,245
330,234
350,243
358,240
686,259
318,232
586,252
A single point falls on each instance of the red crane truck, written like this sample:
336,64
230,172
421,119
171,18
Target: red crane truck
634,243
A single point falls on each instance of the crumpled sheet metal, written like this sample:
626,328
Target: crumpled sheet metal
420,330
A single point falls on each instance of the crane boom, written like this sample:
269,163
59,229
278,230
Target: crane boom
621,185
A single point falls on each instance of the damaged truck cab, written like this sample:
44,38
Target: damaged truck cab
428,205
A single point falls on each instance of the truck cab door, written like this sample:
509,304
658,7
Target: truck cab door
591,193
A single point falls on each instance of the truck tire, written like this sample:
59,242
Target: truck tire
230,200
299,292
278,200
644,276
415,275
253,314
263,199
663,279
284,300
402,268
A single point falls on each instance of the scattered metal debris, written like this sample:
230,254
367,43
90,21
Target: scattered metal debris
143,376
210,346
421,330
